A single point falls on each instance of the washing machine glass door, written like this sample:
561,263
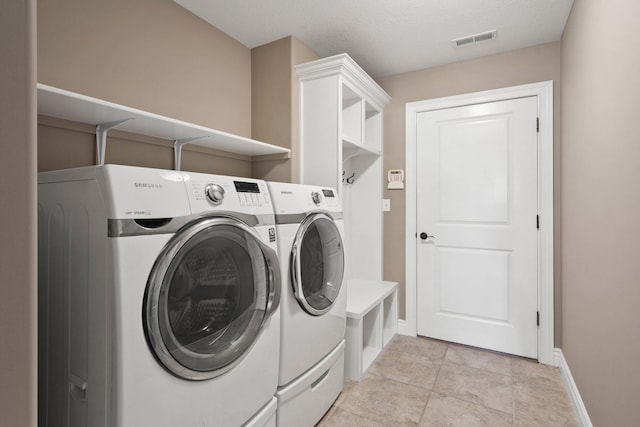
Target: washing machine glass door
317,264
209,294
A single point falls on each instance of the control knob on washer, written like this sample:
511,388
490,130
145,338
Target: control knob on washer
214,193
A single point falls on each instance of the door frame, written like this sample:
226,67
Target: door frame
544,92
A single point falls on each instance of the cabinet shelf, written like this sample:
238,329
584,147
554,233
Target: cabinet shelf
352,149
63,104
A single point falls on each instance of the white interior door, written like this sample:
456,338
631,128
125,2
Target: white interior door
477,197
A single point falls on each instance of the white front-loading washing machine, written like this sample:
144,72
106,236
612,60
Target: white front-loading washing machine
310,231
159,299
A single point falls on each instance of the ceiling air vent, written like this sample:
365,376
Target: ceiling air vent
475,38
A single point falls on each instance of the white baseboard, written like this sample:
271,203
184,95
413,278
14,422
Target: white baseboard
402,327
581,410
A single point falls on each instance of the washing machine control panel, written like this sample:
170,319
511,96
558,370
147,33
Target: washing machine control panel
208,192
249,193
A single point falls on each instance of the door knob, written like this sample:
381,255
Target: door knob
425,236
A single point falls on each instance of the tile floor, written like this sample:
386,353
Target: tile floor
424,382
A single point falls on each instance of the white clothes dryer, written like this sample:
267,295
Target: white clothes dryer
310,230
159,299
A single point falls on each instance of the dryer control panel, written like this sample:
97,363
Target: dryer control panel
331,198
298,198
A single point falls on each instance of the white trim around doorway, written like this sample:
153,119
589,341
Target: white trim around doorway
544,92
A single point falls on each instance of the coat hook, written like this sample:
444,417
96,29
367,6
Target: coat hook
350,179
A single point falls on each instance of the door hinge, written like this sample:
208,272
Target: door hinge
537,222
537,318
537,124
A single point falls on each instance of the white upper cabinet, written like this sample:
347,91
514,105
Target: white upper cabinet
342,113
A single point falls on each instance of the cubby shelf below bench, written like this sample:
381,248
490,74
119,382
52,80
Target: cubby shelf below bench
372,321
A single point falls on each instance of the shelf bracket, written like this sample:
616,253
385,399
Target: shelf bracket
101,137
177,149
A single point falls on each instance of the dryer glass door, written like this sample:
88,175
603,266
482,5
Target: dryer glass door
208,296
317,264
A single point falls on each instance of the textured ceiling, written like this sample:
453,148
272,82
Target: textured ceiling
389,36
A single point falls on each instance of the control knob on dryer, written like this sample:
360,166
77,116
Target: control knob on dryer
214,193
315,196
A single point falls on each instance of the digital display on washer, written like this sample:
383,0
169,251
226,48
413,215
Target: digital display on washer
328,193
246,187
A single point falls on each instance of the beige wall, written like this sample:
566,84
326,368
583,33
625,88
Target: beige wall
148,54
601,207
275,106
530,65
18,268
300,53
271,105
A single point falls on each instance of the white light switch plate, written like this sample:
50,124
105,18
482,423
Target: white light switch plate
386,205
